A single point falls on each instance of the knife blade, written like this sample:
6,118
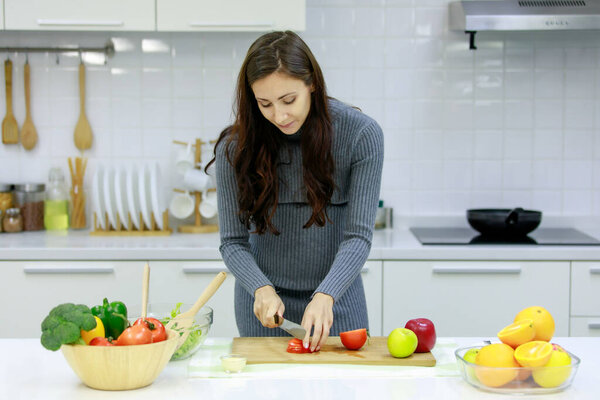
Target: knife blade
290,327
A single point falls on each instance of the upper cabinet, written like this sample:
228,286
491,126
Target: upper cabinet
80,15
1,14
230,15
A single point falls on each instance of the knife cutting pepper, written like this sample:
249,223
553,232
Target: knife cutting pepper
114,317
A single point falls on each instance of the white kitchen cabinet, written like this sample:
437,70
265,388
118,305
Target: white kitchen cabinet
371,276
1,14
80,15
585,286
31,289
230,15
184,281
473,298
582,326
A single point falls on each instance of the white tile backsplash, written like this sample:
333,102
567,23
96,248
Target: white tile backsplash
514,123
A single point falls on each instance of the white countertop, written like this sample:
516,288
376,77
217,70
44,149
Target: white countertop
28,371
392,244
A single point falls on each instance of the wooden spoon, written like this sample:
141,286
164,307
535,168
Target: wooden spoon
28,133
10,128
184,321
145,283
83,130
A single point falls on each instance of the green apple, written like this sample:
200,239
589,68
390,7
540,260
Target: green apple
402,342
470,356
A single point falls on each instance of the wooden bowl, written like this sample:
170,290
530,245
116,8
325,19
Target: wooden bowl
120,367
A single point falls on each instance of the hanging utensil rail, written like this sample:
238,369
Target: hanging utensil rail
108,49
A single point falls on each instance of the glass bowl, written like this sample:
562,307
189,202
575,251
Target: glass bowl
233,363
520,380
198,332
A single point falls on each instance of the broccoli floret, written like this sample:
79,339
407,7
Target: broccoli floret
64,323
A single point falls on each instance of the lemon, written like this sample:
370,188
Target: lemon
556,371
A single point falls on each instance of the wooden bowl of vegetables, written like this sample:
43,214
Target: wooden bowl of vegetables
132,361
120,367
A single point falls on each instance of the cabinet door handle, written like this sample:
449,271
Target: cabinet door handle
69,270
594,325
231,24
454,270
595,270
203,270
78,22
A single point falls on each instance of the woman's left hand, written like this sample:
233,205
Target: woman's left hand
318,313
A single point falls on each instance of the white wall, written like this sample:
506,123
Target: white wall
514,123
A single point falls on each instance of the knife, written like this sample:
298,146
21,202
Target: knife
290,327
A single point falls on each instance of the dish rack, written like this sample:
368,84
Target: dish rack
120,230
198,226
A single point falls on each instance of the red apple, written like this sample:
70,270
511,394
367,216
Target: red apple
425,331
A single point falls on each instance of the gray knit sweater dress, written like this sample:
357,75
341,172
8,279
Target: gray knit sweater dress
301,262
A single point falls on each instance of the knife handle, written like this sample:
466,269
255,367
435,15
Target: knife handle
276,318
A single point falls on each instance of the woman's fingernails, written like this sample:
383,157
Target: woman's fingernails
305,345
318,348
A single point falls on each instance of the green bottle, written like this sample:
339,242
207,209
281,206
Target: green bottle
56,205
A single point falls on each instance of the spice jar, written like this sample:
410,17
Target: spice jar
13,221
29,198
0,220
6,197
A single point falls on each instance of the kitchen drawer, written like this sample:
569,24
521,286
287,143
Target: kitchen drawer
473,298
80,15
184,281
585,286
230,15
371,276
35,287
581,326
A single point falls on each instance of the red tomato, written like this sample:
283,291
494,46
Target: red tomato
156,327
354,340
425,331
136,334
101,341
296,346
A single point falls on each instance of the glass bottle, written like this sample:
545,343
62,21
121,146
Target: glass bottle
56,205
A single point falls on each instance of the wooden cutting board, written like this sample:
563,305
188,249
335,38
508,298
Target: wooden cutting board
268,350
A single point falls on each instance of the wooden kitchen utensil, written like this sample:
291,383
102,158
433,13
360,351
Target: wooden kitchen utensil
184,321
145,284
83,131
267,350
10,128
29,135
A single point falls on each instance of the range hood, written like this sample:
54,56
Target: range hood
523,15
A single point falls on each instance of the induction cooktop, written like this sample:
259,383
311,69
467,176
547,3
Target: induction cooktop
540,236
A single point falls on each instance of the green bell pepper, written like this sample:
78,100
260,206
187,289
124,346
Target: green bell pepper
114,317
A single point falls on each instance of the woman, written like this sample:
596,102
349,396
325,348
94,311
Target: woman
298,178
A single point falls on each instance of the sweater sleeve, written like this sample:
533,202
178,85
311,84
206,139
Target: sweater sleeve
365,182
234,247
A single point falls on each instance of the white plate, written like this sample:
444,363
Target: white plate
121,196
133,201
143,190
156,195
97,194
109,196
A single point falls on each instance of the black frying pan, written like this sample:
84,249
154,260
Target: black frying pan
500,222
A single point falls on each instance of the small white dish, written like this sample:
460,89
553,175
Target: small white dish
98,197
133,201
143,190
121,196
109,196
156,195
233,363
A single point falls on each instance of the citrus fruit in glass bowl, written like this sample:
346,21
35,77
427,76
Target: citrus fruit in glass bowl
556,375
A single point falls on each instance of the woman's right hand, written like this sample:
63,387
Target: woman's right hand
266,304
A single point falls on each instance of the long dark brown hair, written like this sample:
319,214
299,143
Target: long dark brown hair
257,141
